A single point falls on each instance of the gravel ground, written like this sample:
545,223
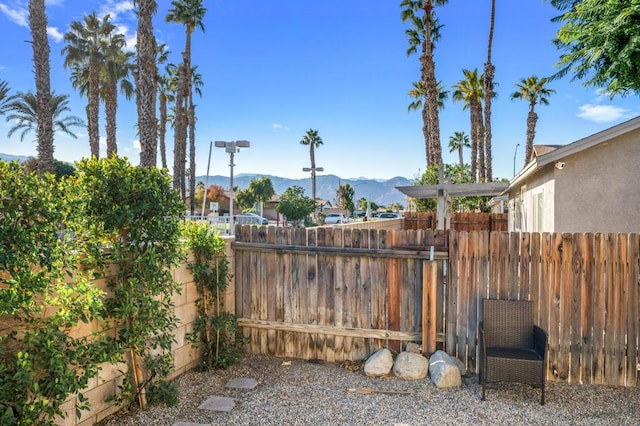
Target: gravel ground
297,392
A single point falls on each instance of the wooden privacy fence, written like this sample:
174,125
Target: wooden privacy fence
335,293
459,221
585,293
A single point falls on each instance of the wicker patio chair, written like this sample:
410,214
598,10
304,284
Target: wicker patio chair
512,348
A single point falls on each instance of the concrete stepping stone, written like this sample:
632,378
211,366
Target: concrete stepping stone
218,403
246,383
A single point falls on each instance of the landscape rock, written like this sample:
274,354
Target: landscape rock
411,366
413,347
444,371
460,365
379,364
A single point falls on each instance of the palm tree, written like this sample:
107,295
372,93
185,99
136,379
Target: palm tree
197,84
457,142
145,77
470,92
117,68
42,68
312,140
23,108
86,45
424,33
419,95
489,72
534,91
190,13
4,98
165,96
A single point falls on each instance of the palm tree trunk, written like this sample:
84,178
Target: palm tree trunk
426,132
42,68
146,79
162,131
93,109
192,157
489,72
313,176
431,85
532,119
111,107
474,144
460,153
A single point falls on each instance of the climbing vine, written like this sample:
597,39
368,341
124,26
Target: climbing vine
215,331
134,219
42,297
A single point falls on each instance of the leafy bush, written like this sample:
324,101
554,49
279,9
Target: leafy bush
134,213
214,331
42,296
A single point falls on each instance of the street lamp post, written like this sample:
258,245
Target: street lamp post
514,158
313,171
232,147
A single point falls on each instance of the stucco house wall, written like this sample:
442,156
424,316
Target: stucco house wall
591,185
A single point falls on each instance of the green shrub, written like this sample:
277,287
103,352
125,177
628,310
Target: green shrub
133,218
42,296
214,331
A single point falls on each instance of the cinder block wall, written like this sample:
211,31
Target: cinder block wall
185,356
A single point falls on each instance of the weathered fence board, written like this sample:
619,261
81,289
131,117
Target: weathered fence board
336,293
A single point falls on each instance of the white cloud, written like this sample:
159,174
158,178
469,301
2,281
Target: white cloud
17,16
603,113
116,8
55,34
278,126
136,145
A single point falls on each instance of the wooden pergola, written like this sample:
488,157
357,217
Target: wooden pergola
444,191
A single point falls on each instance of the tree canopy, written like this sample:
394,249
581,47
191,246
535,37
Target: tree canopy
600,44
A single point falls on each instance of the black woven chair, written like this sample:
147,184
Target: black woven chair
512,348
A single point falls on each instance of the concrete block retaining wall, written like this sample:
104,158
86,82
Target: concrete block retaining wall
185,356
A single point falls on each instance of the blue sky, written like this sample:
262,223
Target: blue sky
274,69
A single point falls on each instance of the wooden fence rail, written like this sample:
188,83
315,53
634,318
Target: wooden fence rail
336,293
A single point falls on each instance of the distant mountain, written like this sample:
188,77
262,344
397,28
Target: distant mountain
382,192
9,157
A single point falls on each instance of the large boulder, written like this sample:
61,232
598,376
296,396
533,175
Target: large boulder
379,364
411,366
444,371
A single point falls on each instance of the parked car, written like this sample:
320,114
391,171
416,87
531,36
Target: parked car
389,216
251,219
335,218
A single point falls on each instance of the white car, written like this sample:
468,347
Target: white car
251,219
335,218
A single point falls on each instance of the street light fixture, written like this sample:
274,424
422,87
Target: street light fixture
231,147
514,158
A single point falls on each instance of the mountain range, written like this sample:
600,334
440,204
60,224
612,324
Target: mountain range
381,192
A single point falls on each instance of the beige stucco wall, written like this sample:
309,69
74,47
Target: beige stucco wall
599,188
185,356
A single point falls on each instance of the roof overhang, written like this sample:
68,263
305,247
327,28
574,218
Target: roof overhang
455,190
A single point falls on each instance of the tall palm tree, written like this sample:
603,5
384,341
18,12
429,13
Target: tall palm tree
23,109
145,77
489,72
164,97
116,70
313,141
190,13
42,68
86,45
425,32
470,92
457,142
419,95
534,91
197,84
